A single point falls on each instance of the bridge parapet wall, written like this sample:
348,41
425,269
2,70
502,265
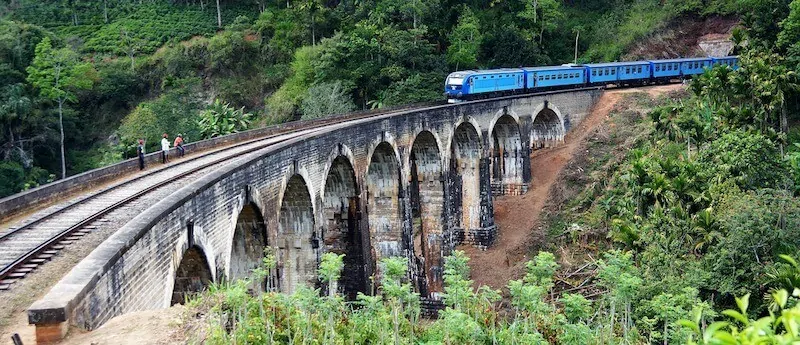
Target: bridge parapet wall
135,268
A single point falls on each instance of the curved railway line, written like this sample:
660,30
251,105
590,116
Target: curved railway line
38,239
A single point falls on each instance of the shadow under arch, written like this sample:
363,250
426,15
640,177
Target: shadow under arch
342,231
508,157
192,276
383,202
247,248
427,212
297,240
547,129
465,156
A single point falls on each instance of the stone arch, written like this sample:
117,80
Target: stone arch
461,121
297,240
507,157
248,244
192,275
341,228
548,127
383,202
427,200
465,156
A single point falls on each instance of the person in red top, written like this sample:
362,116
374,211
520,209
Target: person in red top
178,144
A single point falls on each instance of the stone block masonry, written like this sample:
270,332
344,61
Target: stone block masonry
409,184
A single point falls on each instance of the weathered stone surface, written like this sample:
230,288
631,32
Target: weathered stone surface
411,184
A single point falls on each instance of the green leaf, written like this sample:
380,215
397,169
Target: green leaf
736,315
780,297
743,302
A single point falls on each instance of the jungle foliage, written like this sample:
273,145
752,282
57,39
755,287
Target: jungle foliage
176,57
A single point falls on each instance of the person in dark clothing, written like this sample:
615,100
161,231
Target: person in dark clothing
140,153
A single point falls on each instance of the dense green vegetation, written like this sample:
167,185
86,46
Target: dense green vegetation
698,213
531,313
156,65
694,229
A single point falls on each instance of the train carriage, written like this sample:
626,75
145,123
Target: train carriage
731,61
553,77
473,84
465,85
693,66
665,70
618,72
599,74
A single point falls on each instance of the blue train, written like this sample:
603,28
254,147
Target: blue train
468,85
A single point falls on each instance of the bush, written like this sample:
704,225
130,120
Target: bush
326,99
220,119
174,112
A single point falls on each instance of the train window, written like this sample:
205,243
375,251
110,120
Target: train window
627,70
658,68
594,73
614,71
639,70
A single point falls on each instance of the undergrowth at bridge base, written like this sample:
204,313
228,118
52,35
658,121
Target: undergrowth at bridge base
531,313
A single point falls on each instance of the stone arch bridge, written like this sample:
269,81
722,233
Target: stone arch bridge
411,184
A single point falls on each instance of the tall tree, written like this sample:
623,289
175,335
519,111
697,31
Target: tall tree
464,41
219,16
58,74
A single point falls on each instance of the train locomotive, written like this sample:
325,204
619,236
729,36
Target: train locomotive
476,84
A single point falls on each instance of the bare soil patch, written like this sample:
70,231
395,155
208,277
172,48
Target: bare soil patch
681,38
518,218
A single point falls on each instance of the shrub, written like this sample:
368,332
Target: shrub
220,119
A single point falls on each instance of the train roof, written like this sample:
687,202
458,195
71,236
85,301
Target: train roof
460,74
551,68
497,70
681,59
617,64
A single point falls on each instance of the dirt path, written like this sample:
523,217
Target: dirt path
517,217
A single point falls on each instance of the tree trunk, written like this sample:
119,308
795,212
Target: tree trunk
219,16
577,34
313,34
784,122
61,127
105,11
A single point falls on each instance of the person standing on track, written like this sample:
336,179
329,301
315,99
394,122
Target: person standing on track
179,145
140,153
164,148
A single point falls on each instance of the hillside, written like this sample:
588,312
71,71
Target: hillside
154,67
664,220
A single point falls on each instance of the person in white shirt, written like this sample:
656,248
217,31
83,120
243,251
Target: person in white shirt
164,148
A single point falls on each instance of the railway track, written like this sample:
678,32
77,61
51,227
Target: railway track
35,241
